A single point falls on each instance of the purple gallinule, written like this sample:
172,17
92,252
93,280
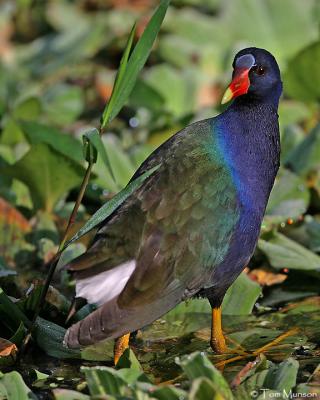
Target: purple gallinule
193,225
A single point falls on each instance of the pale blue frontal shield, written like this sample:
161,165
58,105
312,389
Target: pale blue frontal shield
246,61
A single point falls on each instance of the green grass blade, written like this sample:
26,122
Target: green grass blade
120,74
136,62
108,208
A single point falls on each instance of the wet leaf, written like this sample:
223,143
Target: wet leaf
197,365
12,387
104,381
203,389
65,394
282,377
168,393
286,253
49,337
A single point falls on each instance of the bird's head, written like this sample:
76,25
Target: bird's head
255,75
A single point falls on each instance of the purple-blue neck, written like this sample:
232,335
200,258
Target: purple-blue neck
248,136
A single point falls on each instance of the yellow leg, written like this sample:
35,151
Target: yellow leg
217,341
120,345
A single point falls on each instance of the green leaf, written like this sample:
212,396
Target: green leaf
168,393
49,337
129,360
12,387
108,208
289,198
120,74
48,174
19,335
286,253
65,394
27,109
234,302
136,62
63,103
302,78
305,158
94,138
104,381
122,165
178,89
197,365
203,389
282,376
13,315
61,142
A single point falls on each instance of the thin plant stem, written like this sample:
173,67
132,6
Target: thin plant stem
55,260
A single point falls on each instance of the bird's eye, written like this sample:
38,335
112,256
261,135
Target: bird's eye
259,70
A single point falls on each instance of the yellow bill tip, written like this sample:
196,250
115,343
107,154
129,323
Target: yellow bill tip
228,95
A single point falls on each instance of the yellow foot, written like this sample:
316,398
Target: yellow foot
255,353
276,341
217,340
120,345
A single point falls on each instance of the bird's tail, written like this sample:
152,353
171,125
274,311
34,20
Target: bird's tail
110,321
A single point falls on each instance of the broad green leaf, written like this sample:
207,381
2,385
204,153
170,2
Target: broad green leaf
11,313
103,381
62,142
289,198
282,377
137,60
108,208
12,387
177,88
19,334
63,103
302,78
204,389
292,112
94,138
305,158
283,27
49,337
234,302
48,174
286,253
197,365
169,393
122,165
129,360
29,109
291,136
65,394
